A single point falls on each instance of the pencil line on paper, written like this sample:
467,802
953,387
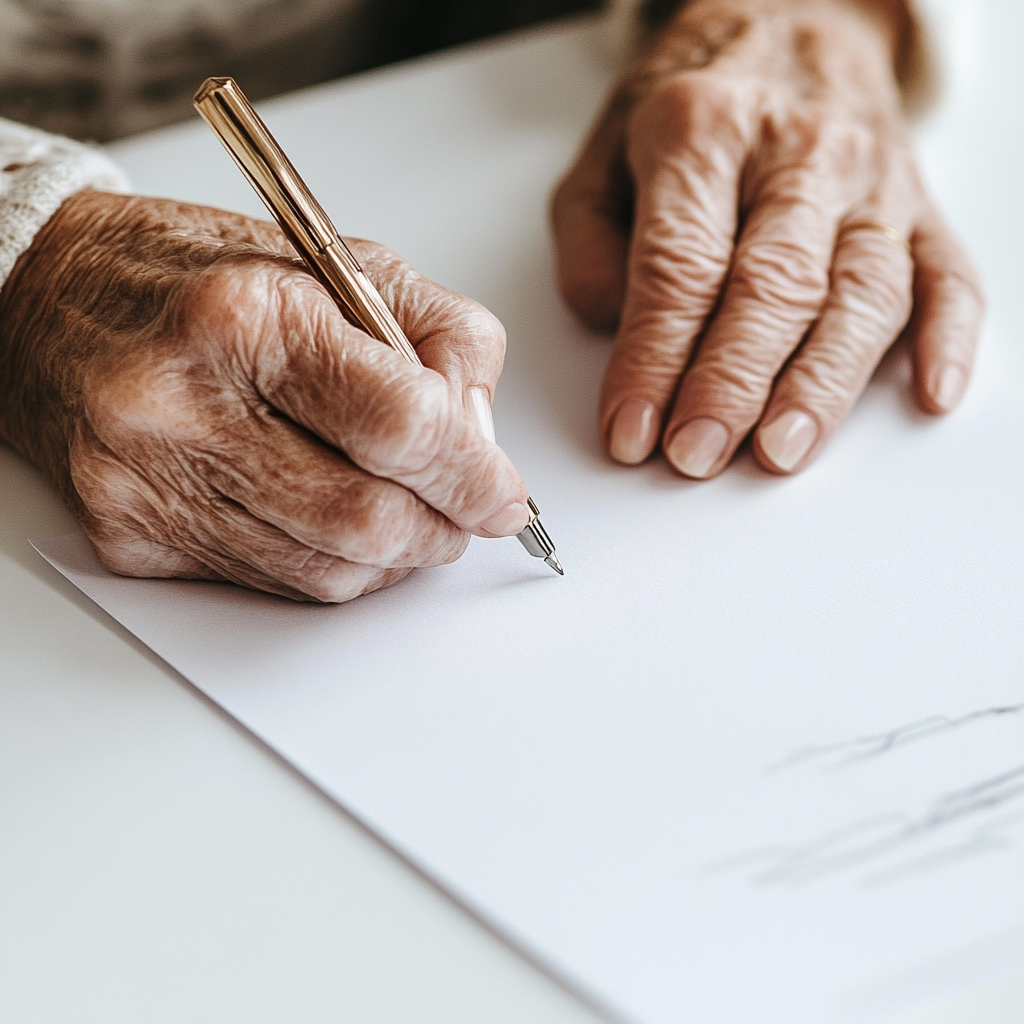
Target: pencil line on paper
897,843
989,838
845,753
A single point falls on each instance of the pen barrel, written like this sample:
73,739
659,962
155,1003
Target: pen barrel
340,273
243,134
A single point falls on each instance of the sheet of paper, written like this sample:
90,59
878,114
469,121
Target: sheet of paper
762,748
760,755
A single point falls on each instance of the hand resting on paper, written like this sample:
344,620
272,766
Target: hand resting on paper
737,213
208,413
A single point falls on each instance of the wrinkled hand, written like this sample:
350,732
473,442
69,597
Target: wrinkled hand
208,413
717,215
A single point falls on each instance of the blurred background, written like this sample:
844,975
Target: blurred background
105,69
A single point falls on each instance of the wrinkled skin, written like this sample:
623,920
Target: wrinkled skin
208,413
711,220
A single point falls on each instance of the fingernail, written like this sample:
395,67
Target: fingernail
634,431
947,386
511,519
697,447
478,400
788,438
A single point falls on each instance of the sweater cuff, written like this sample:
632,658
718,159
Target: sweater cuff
38,172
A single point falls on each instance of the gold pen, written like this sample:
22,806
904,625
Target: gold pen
226,110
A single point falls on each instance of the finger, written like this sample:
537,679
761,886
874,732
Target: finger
776,289
128,553
868,306
685,149
255,554
115,516
160,538
391,418
589,218
145,531
285,477
948,310
457,337
169,427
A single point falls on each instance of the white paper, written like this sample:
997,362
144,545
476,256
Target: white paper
760,755
761,748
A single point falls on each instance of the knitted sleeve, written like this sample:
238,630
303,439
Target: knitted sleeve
37,173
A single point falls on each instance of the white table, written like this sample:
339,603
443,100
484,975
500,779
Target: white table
156,863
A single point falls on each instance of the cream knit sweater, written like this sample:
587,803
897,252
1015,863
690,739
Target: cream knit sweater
38,171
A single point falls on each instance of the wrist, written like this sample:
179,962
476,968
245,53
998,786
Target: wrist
893,23
40,383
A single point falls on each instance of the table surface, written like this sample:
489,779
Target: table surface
156,862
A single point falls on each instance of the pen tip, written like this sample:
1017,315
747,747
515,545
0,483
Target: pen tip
555,564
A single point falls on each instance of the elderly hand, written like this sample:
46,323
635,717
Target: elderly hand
208,413
738,213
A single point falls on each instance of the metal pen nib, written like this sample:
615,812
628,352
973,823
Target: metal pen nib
536,540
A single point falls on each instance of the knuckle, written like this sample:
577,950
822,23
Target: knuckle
213,295
406,421
782,276
679,263
876,288
688,96
129,555
820,159
378,523
960,283
140,401
671,103
829,381
824,139
841,146
147,411
223,306
681,94
107,490
387,578
482,327
115,556
692,108
334,584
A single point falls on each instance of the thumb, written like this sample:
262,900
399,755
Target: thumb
590,212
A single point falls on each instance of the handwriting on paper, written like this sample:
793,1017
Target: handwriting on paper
984,814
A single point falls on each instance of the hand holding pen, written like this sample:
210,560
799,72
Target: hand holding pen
225,422
244,135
